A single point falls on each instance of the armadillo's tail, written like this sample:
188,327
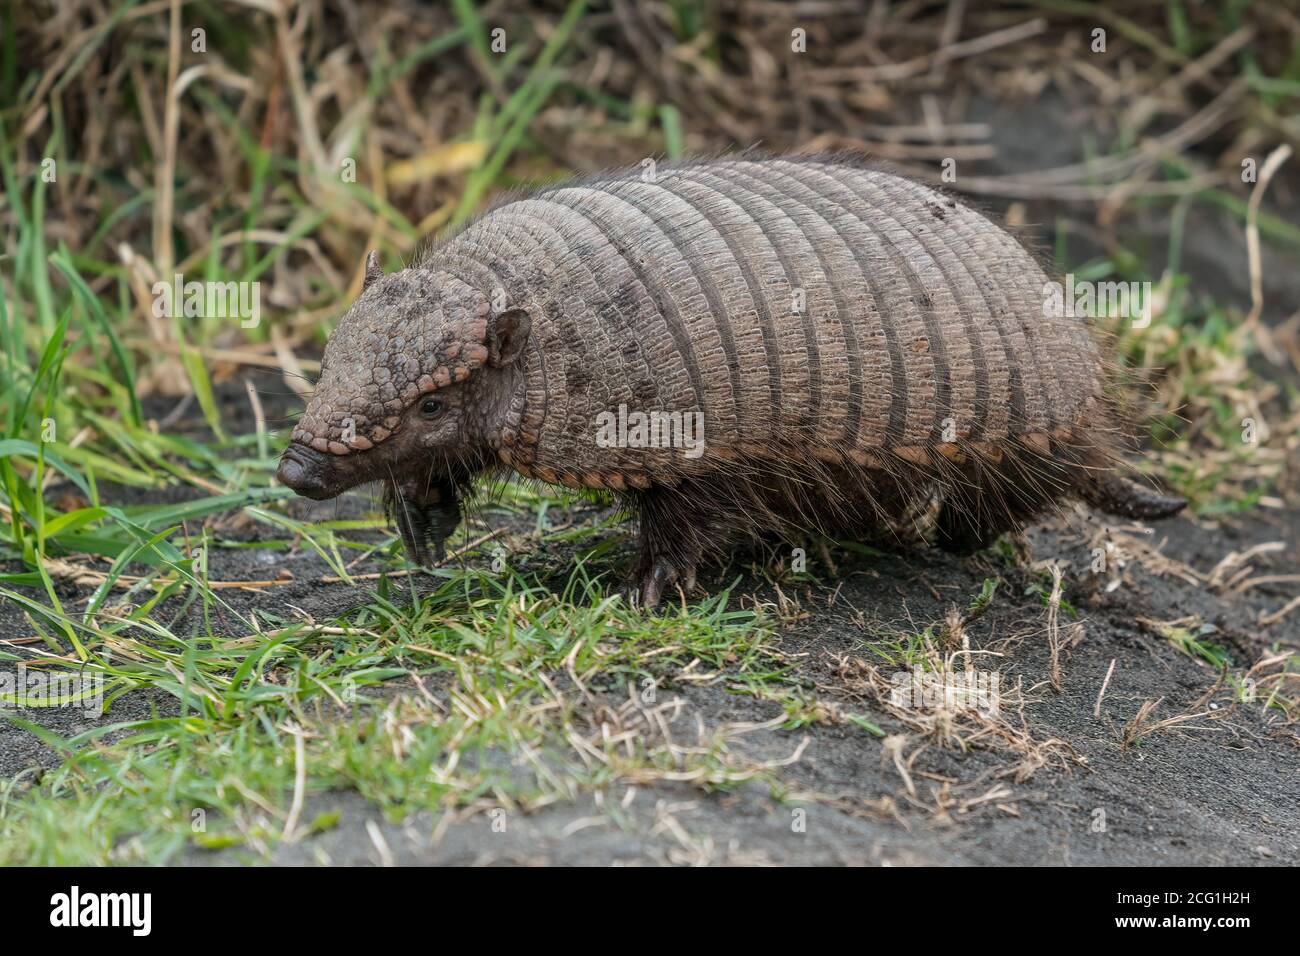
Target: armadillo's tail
1128,499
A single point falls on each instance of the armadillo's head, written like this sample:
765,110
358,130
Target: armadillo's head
404,383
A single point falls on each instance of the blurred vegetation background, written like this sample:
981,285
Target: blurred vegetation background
278,141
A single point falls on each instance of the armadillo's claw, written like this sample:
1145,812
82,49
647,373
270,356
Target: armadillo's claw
443,519
414,528
663,576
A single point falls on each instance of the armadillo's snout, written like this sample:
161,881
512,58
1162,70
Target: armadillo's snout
308,472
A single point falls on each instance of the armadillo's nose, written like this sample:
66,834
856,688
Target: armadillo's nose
307,471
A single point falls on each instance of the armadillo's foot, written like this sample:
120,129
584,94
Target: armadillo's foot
663,576
675,531
1128,499
426,515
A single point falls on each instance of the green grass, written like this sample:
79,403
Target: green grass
513,659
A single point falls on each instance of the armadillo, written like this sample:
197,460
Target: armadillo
736,347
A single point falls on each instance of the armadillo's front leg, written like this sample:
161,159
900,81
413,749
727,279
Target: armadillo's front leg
674,537
426,512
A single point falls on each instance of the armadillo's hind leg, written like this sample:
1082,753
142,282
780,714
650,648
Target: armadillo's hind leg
994,497
674,537
959,530
1128,499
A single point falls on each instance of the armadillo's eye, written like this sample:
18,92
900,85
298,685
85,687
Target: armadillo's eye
430,407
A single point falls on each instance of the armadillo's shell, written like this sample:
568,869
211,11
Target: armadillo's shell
804,306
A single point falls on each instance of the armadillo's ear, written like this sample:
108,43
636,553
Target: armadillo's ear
374,271
507,334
